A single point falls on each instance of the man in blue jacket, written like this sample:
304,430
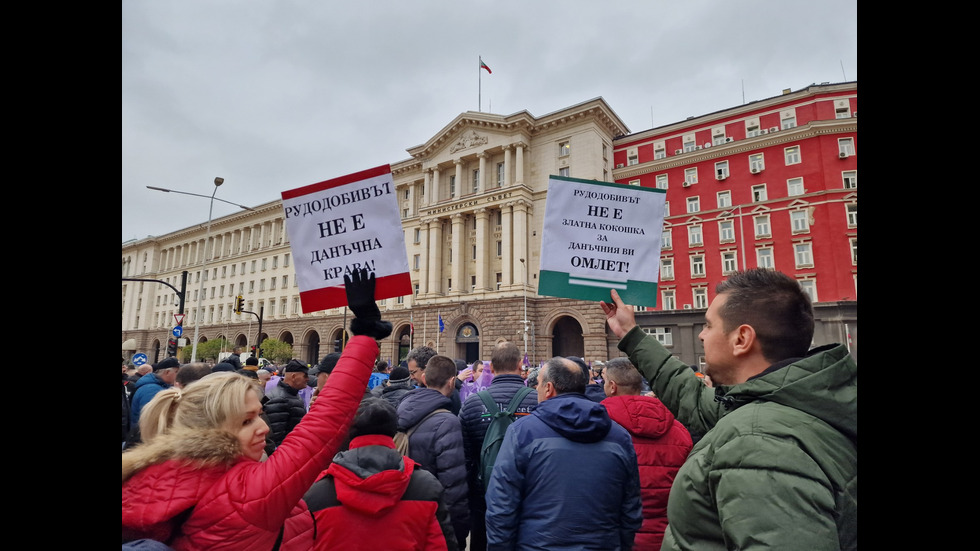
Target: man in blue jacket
566,476
163,376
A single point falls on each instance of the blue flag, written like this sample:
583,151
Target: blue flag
442,326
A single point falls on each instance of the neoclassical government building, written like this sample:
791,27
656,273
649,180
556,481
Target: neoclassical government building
472,201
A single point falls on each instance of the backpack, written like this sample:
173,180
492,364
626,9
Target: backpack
401,438
499,421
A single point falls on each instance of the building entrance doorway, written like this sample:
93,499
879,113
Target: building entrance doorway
567,338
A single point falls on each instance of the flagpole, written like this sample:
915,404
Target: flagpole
479,88
438,333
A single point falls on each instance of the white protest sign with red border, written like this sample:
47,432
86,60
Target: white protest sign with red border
345,224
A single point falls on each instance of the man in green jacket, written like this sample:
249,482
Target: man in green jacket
778,467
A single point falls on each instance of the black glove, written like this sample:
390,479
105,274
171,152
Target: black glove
360,298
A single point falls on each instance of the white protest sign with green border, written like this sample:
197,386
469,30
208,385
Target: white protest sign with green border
599,236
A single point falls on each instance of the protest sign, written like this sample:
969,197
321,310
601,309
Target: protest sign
345,224
599,236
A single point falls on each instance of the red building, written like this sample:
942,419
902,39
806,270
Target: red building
772,183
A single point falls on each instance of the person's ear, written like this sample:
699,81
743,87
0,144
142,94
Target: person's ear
744,340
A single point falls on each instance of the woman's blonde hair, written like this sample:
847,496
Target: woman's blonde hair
194,423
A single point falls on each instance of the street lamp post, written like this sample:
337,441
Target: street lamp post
204,268
524,265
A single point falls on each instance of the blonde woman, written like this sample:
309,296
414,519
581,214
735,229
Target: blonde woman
198,482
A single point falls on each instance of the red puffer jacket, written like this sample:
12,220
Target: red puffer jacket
662,445
247,506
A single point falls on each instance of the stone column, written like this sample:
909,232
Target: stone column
482,250
520,239
459,255
508,164
434,197
424,258
520,164
459,178
435,256
427,189
482,181
507,254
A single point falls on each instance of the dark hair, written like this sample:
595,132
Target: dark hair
328,362
374,416
438,370
382,366
421,355
775,305
565,374
189,373
622,372
506,358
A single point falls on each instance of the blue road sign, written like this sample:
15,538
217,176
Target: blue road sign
139,359
178,331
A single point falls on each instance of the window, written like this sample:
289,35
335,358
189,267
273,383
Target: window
418,235
691,175
700,297
697,265
233,266
693,204
275,262
850,178
251,286
845,146
852,215
632,157
757,163
253,267
499,280
285,261
792,155
794,186
721,170
472,283
694,235
415,289
224,271
759,193
667,300
416,262
449,285
729,262
798,221
762,226
500,174
666,268
854,251
659,151
689,143
564,171
666,209
500,248
400,299
661,181
724,199
261,285
662,334
285,282
474,252
665,240
842,109
272,306
605,151
452,186
752,128
405,194
476,181
282,307
635,183
809,287
787,119
804,255
763,258
726,231
404,213
272,285
718,136
564,149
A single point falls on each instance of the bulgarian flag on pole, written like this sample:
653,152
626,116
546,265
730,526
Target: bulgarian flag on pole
484,66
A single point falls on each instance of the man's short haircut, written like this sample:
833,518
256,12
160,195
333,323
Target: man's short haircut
188,373
374,416
775,305
506,358
622,372
421,355
565,375
438,370
382,366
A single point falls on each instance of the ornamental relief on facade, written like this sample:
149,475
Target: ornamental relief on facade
468,140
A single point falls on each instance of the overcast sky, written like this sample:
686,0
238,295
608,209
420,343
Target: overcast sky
274,95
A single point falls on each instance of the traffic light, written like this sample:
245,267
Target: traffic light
171,347
239,304
253,352
336,345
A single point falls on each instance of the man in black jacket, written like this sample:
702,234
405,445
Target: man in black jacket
285,408
507,380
